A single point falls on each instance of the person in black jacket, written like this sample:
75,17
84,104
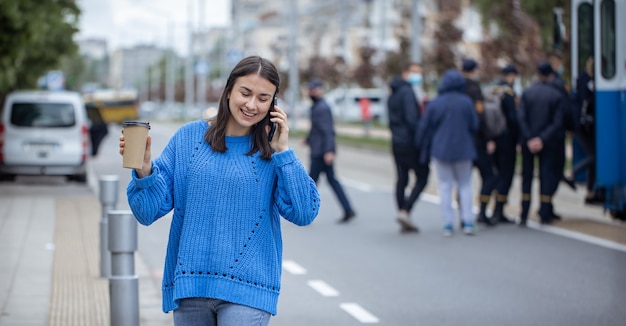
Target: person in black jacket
506,152
584,130
542,135
556,63
321,141
484,144
404,112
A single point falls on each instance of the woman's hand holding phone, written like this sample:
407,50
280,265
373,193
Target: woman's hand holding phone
278,130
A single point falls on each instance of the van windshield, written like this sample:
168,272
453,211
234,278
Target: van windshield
53,115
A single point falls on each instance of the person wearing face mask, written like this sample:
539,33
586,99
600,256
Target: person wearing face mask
321,141
404,114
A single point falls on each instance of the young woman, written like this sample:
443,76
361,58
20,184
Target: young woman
227,184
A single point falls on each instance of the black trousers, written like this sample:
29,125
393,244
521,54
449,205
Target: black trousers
317,167
504,161
407,160
550,172
485,166
589,162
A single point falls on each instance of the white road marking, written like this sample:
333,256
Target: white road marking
322,288
293,267
359,313
434,199
358,185
577,236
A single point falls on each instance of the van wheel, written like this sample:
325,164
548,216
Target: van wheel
7,177
81,178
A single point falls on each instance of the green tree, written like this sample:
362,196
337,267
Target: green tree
364,73
520,32
36,34
74,68
447,37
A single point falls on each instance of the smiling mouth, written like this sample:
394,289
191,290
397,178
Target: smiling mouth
247,114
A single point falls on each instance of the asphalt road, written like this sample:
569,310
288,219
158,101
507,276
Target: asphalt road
367,272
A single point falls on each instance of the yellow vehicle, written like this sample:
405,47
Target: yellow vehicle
115,106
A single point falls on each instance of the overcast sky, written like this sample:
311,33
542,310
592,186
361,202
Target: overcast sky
128,22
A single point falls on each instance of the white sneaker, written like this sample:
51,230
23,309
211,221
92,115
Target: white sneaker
447,231
468,230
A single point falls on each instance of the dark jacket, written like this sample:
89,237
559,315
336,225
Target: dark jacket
446,131
509,107
321,138
568,109
403,112
585,97
473,90
540,114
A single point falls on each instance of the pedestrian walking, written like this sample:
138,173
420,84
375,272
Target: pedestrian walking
485,144
321,142
542,135
227,184
446,135
505,153
404,113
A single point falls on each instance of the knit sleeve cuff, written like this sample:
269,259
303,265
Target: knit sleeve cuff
148,181
284,158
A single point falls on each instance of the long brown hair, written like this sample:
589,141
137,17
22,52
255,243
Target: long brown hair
216,134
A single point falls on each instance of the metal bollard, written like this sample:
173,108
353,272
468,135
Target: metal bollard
123,283
108,201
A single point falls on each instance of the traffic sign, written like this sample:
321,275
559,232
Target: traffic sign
202,68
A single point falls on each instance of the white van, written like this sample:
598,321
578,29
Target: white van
346,107
44,133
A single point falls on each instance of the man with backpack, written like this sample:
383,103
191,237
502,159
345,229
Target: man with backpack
482,140
506,140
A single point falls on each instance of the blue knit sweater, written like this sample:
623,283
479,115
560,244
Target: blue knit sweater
225,239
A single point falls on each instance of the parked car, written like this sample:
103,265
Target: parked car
44,133
346,103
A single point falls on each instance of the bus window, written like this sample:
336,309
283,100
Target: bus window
607,39
585,34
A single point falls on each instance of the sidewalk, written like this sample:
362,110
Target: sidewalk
50,275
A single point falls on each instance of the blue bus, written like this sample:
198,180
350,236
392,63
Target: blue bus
599,30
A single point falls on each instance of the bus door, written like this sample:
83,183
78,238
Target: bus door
610,86
582,41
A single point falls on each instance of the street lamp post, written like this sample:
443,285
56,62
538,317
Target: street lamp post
189,65
293,59
416,55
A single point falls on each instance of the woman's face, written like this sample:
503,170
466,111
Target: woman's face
248,102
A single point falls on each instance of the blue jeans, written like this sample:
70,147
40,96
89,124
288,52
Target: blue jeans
213,312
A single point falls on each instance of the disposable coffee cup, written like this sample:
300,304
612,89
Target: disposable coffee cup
135,135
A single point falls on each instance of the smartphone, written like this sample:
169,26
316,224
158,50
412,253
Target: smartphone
274,125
